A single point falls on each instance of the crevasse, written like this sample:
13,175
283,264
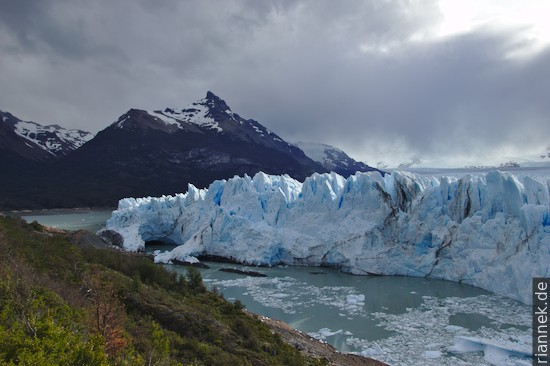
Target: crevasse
490,231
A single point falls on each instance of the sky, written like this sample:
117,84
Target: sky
445,82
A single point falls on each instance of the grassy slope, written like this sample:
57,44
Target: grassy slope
89,306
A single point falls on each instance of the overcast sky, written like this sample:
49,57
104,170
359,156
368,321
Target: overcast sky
452,82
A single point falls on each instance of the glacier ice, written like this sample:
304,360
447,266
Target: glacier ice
495,353
491,231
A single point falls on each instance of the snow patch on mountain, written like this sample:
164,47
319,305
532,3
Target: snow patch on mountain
200,113
317,151
209,113
54,139
197,113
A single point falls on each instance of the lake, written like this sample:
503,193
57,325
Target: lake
89,220
399,320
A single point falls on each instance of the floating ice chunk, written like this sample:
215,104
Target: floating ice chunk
431,354
280,295
190,259
324,333
355,299
328,333
495,353
374,350
454,328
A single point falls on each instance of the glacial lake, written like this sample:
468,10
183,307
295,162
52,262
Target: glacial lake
398,320
88,220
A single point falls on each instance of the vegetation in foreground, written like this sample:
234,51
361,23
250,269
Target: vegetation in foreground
62,304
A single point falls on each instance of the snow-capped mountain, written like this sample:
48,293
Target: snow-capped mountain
155,152
333,159
37,142
491,231
208,116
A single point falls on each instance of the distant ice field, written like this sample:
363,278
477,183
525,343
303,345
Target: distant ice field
538,171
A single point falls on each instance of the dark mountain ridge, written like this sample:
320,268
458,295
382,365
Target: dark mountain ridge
151,153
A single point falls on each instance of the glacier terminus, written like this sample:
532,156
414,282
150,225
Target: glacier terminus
490,230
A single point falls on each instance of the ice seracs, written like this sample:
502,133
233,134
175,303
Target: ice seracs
491,231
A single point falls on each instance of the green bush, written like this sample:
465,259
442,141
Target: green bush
38,328
62,304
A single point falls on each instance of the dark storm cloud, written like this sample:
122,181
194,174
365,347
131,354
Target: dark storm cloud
457,95
52,28
347,74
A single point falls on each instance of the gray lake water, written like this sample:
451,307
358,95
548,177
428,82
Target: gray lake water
91,221
399,320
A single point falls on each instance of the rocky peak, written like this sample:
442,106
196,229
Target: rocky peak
213,102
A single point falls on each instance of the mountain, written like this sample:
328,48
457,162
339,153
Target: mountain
210,117
333,159
490,231
156,152
33,141
27,151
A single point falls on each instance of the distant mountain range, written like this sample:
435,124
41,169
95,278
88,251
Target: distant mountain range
147,153
33,141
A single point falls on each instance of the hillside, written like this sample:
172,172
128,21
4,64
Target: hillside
116,308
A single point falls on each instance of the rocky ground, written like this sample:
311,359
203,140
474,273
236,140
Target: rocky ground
313,347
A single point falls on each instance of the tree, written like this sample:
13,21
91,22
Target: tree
194,279
107,312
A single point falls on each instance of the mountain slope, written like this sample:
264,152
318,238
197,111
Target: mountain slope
333,159
119,309
27,150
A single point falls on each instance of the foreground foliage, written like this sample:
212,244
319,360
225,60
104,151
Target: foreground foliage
65,304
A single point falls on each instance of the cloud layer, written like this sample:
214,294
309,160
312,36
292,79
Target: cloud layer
371,77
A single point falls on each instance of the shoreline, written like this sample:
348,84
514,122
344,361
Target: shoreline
54,211
310,346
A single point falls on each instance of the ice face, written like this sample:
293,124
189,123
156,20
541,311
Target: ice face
490,231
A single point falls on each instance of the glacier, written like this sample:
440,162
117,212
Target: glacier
491,230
